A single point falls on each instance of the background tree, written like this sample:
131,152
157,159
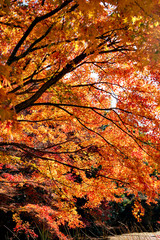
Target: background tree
79,106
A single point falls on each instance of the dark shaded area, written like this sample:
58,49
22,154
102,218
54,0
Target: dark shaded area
116,218
6,224
109,218
122,219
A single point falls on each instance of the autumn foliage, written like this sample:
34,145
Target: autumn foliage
79,107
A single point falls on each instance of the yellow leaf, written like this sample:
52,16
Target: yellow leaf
5,71
6,114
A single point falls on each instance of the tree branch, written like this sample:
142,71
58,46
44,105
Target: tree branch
30,28
68,68
23,147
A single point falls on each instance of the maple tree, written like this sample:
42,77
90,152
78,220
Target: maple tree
79,106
